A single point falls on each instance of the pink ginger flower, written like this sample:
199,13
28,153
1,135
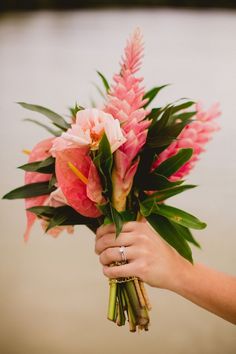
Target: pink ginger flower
195,135
125,102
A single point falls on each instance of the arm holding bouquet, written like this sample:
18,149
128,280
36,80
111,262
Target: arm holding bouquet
151,259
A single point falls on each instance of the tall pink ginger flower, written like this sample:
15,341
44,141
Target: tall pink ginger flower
195,135
125,102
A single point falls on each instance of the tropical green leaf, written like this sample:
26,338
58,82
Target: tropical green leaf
155,181
50,130
103,161
57,120
43,211
154,116
117,219
113,215
104,81
64,215
167,193
52,181
182,106
180,217
151,94
186,233
173,164
148,208
44,166
166,230
74,110
29,191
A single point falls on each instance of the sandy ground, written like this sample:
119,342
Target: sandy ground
53,295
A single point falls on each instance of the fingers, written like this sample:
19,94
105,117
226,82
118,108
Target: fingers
123,271
110,240
104,229
111,255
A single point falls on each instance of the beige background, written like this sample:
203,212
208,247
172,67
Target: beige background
53,295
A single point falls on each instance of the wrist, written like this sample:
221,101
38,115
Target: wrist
183,272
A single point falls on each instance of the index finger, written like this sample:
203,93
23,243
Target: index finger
110,228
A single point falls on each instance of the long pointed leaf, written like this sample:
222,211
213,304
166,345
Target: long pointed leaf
45,166
155,181
173,164
50,130
29,191
167,193
151,94
166,230
57,120
186,233
104,81
180,217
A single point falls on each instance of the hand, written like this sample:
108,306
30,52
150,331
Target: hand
149,257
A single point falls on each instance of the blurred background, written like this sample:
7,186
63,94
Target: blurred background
53,296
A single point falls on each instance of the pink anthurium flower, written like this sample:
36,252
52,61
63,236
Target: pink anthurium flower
39,152
79,181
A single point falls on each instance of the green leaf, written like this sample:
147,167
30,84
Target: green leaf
29,191
128,215
74,110
43,211
186,233
167,193
180,217
173,164
50,130
182,106
57,120
104,81
64,215
117,219
151,94
113,215
148,208
57,220
155,181
53,180
104,161
44,166
166,230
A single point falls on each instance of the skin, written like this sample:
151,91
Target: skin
152,260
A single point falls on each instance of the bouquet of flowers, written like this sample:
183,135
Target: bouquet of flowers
118,164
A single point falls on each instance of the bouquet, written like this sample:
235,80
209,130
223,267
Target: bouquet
117,164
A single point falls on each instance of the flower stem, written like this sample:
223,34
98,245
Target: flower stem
111,315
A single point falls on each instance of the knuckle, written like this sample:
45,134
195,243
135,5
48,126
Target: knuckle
107,272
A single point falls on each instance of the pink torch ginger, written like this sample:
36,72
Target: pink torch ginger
195,135
125,102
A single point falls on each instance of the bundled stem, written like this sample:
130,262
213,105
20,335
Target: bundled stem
128,296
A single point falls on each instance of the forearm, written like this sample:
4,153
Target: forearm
212,290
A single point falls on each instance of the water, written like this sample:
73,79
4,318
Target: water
53,294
